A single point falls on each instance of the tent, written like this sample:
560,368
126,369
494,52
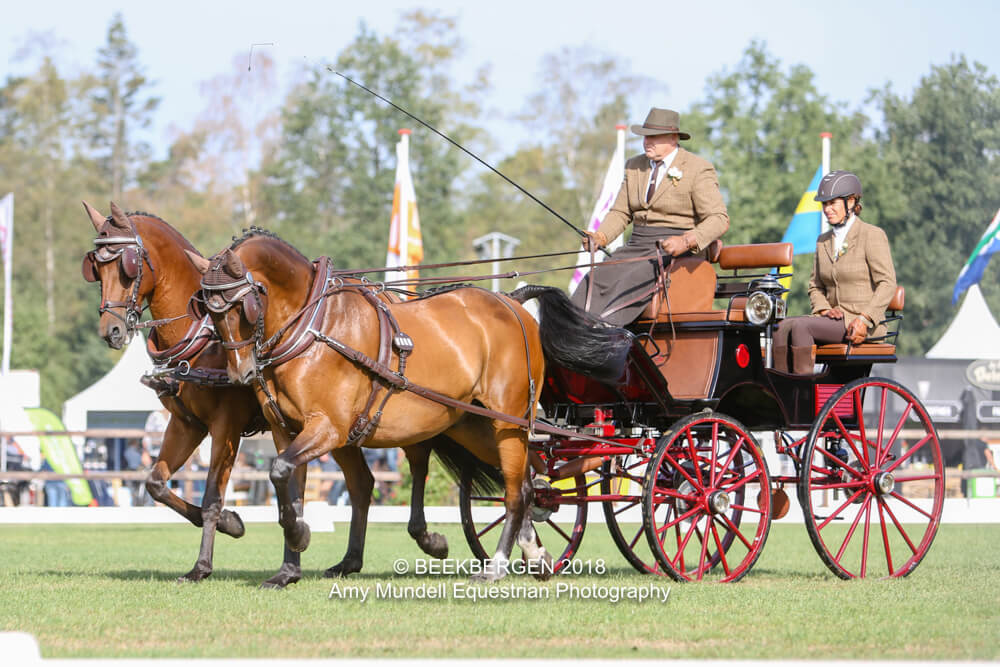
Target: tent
973,334
117,400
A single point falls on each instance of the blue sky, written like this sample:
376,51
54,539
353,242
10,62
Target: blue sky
851,46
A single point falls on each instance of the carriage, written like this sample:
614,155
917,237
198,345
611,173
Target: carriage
672,449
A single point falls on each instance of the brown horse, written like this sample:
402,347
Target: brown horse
140,259
468,344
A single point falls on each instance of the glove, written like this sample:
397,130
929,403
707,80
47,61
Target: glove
594,240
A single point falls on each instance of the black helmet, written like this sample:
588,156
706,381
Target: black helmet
838,184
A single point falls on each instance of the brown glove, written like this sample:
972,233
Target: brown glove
594,240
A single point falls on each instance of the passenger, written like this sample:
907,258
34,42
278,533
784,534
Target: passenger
672,198
852,283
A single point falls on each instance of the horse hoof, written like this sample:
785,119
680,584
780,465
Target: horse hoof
298,537
543,569
485,577
342,569
194,576
231,524
434,545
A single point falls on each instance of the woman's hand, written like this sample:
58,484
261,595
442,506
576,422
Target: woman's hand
833,313
678,245
857,330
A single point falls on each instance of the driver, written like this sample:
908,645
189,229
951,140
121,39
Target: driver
852,283
672,198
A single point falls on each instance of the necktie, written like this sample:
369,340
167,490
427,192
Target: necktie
652,181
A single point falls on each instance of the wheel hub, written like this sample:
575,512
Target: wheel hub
542,508
884,483
719,502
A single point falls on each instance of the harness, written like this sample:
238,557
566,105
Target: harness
303,329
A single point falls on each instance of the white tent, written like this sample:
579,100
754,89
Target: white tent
117,392
973,334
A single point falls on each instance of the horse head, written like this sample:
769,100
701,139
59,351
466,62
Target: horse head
117,262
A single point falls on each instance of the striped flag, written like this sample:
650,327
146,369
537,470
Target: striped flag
972,272
406,247
807,223
609,190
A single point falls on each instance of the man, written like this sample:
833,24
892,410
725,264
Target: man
672,198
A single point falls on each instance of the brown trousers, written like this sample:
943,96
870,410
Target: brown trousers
809,330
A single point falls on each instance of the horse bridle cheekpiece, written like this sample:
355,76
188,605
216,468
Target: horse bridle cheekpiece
219,297
131,254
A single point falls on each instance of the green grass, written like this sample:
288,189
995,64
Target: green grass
88,591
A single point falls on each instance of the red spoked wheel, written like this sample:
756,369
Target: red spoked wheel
623,477
707,500
872,500
483,518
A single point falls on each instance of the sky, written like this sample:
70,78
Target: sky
851,46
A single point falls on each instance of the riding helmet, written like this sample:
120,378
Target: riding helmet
838,184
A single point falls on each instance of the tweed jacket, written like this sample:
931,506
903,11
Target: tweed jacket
862,281
691,202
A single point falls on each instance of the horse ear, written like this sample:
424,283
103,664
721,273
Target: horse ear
96,218
119,219
198,261
234,265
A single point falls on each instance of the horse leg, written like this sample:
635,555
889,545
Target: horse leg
432,544
225,443
512,445
538,560
314,440
291,562
359,487
179,441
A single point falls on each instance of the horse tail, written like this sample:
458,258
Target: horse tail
575,339
484,479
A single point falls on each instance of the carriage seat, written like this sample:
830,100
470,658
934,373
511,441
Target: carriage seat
693,282
873,349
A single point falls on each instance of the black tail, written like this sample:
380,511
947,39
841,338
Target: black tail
575,339
484,479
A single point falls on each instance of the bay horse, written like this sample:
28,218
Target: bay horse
139,259
467,344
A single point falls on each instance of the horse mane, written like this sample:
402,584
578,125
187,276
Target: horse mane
254,232
170,228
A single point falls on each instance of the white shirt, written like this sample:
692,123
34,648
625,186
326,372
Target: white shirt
840,234
667,161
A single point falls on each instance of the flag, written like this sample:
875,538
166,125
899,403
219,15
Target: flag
406,247
807,222
609,190
7,249
972,272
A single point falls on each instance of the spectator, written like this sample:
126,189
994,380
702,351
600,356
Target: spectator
335,490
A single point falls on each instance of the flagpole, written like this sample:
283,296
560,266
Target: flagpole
7,215
825,137
404,206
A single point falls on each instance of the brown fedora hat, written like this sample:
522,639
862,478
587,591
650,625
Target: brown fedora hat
661,121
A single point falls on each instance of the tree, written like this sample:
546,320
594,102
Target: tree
759,124
329,187
120,106
940,153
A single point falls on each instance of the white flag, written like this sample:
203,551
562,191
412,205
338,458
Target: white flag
7,249
405,243
609,190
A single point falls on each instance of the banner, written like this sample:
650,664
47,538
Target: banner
807,223
7,250
609,190
58,450
972,272
406,246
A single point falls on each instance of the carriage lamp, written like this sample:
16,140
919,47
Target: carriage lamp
759,308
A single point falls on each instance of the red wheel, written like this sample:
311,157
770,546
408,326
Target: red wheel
483,518
623,476
706,502
872,500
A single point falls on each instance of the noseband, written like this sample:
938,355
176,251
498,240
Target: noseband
131,256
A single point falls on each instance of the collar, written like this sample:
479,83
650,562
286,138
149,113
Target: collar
668,159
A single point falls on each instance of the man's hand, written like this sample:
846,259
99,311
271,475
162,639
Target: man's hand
594,240
678,245
833,313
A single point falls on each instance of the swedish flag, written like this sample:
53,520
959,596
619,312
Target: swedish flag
807,222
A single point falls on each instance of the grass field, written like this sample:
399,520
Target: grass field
88,591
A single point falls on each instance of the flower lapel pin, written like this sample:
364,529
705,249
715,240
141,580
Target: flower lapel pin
674,174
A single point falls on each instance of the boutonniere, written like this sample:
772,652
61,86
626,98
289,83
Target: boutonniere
842,251
674,174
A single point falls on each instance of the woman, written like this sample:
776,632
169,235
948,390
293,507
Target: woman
852,283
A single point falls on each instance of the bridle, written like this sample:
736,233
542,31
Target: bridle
131,256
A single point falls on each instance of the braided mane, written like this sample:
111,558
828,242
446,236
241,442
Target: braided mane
258,231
